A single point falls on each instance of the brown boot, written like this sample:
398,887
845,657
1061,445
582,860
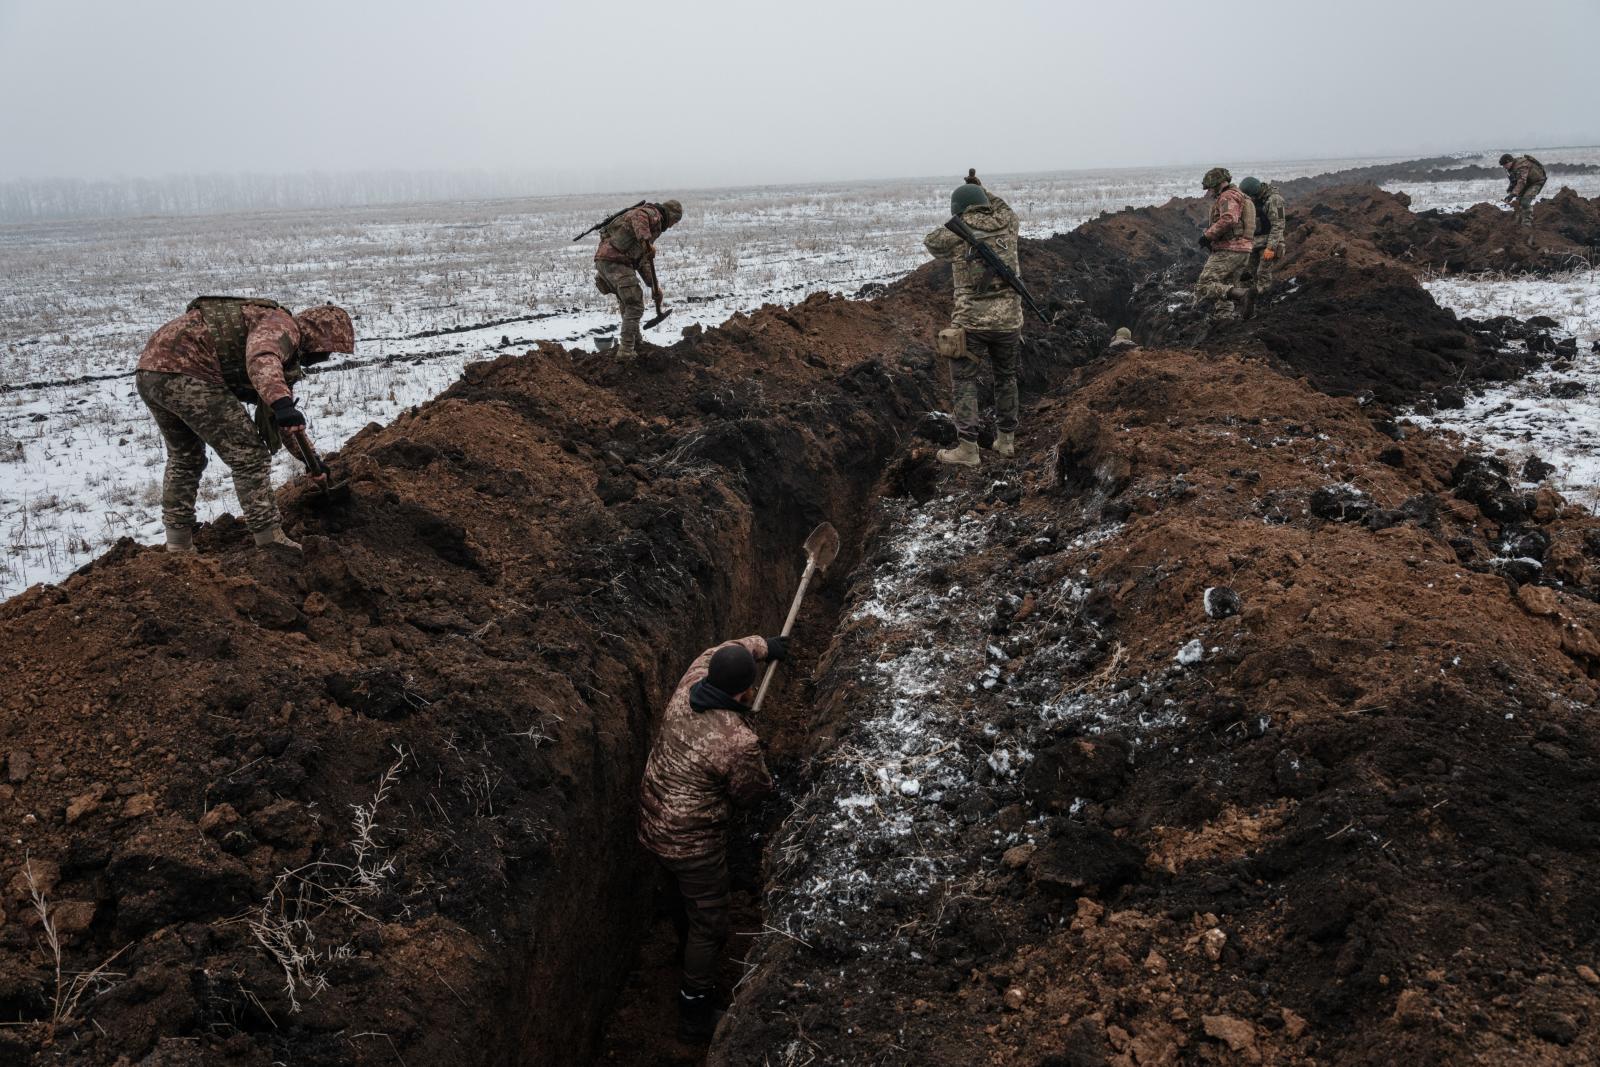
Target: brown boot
1006,443
181,540
1244,298
965,454
276,538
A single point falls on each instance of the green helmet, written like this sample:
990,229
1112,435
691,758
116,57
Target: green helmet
1215,178
1251,186
967,195
1507,158
671,212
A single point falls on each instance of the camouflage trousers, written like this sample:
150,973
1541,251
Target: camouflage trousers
192,414
1522,215
620,280
1001,346
1223,271
1260,270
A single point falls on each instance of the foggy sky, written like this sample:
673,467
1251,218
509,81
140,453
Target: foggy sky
723,92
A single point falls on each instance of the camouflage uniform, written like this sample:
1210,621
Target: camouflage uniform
988,309
182,379
1269,234
1525,183
1233,224
701,763
625,248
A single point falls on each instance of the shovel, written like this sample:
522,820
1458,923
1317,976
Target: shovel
821,548
328,490
656,321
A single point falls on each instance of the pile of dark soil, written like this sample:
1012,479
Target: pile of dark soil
378,805
1295,771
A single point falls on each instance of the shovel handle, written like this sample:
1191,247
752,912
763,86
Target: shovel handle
788,624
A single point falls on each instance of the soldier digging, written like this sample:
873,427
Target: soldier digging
195,374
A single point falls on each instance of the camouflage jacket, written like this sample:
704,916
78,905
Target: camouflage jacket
1233,222
629,237
1269,218
1524,173
185,346
701,762
983,301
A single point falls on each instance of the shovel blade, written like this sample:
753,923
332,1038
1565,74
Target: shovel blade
651,324
822,546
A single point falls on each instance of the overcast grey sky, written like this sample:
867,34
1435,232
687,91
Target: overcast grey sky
727,92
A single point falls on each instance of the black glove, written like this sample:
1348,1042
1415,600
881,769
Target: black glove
1205,242
286,415
777,649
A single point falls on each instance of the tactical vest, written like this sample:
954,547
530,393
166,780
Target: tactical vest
1247,222
1263,224
1536,176
224,319
623,239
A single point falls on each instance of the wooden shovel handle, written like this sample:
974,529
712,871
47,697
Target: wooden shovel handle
788,624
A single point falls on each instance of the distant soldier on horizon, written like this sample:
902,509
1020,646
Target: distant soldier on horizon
1230,239
1526,180
987,318
196,373
1268,247
627,251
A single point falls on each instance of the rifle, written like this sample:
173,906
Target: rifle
992,260
608,220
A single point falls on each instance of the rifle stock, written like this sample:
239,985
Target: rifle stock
992,259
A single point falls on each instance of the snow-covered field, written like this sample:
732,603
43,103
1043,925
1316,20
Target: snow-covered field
1460,195
80,461
1553,413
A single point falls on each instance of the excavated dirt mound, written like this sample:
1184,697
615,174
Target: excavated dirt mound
1221,735
377,805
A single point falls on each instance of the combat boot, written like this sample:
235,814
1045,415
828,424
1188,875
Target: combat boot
1006,443
276,538
1244,298
697,1016
964,454
627,353
181,540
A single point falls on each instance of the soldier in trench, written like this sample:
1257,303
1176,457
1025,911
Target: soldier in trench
986,320
705,759
1269,244
627,251
1230,239
196,373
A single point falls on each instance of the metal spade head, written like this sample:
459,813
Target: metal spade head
652,323
822,546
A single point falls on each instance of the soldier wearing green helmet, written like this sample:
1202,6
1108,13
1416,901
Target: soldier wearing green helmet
1269,242
986,321
1230,239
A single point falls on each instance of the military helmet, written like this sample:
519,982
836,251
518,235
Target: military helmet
1507,158
1215,178
1250,187
671,212
967,195
325,328
1123,334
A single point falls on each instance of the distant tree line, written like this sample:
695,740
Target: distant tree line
40,199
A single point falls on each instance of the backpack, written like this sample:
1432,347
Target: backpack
224,319
620,234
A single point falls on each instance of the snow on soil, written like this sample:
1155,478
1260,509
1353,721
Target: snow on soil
80,464
1460,195
946,719
1552,413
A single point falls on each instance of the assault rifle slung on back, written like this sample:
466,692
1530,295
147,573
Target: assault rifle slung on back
992,260
609,219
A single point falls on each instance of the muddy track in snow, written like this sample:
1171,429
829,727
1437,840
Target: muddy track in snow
489,627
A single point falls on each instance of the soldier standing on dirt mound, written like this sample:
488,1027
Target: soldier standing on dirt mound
987,319
705,758
193,375
628,250
1526,180
1230,239
1269,243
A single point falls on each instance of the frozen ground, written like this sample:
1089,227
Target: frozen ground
1460,195
80,463
1554,413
